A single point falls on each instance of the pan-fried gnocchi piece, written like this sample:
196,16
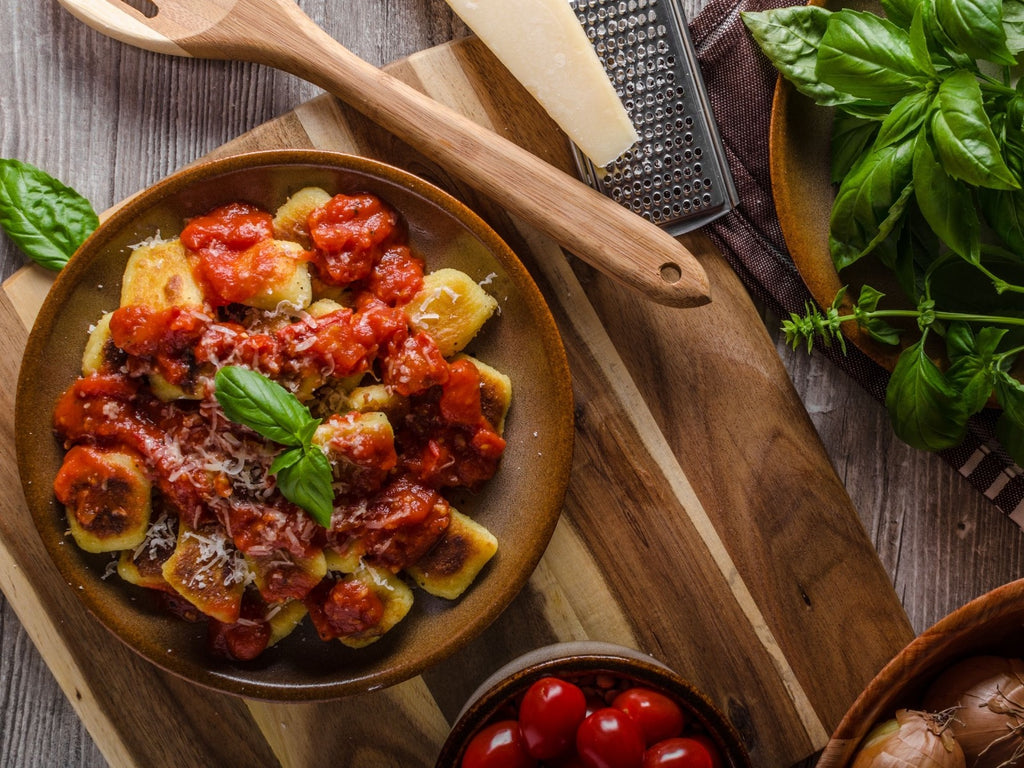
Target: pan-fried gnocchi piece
166,391
360,446
392,591
99,349
107,497
495,393
142,571
342,562
322,307
281,575
206,570
290,220
283,619
451,307
453,563
290,283
379,397
143,565
159,275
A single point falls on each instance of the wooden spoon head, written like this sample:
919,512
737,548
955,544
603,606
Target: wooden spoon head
174,21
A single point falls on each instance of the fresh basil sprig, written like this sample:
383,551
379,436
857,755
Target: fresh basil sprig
928,159
45,218
303,471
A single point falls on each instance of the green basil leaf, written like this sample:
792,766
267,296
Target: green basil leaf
972,371
1013,25
1004,213
920,45
790,38
906,118
285,460
868,57
851,138
976,28
874,194
961,341
307,483
974,379
877,328
939,40
964,141
263,405
45,218
899,12
1010,427
925,410
947,205
916,250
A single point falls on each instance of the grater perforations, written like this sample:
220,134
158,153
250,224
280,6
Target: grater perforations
676,175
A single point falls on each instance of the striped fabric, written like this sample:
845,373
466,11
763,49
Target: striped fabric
740,82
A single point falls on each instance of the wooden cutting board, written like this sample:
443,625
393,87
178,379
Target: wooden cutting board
704,523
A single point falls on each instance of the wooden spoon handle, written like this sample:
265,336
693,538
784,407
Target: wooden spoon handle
598,230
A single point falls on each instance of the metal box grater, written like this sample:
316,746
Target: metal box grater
676,175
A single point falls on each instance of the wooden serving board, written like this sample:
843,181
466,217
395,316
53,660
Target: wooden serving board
704,523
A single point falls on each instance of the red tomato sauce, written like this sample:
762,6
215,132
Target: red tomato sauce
235,254
207,470
101,493
340,608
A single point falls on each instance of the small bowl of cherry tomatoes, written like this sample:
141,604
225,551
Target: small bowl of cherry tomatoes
590,705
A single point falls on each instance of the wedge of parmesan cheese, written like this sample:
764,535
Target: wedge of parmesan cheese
544,46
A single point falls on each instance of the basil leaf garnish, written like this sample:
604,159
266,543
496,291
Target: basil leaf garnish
307,483
263,405
303,472
45,218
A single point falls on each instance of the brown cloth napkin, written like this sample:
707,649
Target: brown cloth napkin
740,82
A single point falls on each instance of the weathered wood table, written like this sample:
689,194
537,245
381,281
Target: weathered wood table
109,120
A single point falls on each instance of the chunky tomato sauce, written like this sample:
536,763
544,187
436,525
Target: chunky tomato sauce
207,470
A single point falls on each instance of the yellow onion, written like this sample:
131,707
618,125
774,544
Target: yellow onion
913,739
988,694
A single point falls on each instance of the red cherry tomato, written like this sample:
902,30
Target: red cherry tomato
658,716
696,751
549,715
609,738
499,745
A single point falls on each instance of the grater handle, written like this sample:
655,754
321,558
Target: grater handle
606,235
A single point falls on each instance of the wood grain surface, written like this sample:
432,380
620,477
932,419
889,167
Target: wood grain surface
938,540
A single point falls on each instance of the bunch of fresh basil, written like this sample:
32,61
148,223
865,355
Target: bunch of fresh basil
928,159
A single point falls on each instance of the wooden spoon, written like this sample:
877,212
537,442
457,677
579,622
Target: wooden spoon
277,33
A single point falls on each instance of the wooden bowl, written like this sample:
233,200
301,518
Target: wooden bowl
520,505
990,624
573,660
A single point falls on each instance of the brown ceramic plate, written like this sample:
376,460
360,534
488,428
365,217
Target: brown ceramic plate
990,624
520,505
799,153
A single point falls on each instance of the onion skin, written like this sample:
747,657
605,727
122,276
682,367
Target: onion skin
912,739
988,693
